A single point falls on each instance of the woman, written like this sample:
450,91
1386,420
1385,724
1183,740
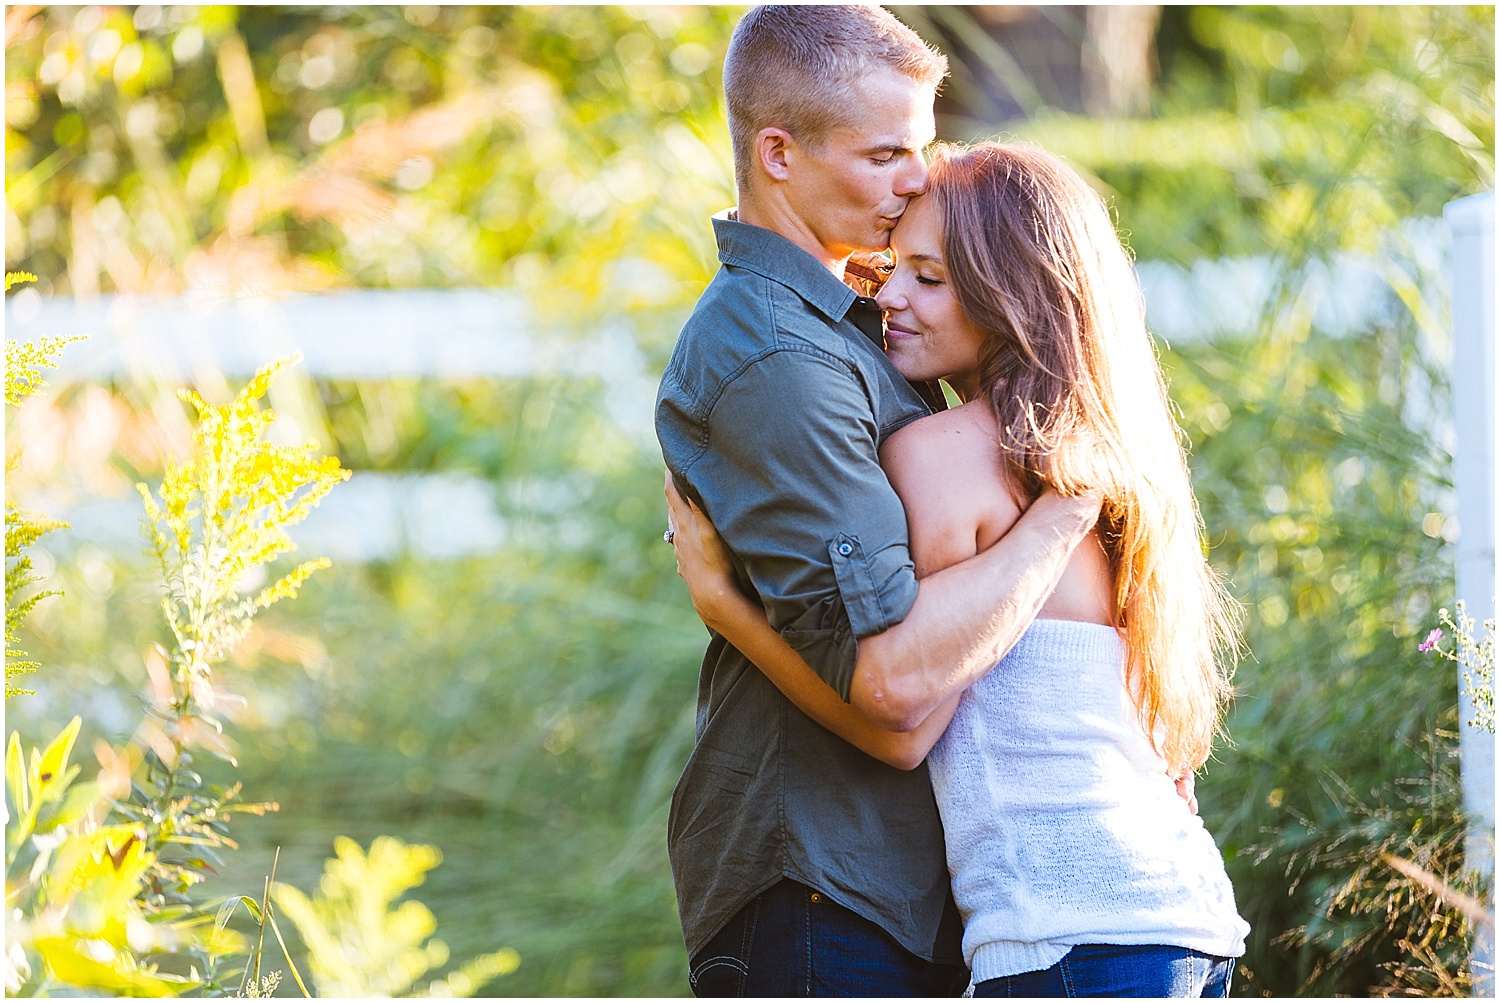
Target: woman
1078,869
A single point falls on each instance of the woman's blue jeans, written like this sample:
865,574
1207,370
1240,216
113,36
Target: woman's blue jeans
794,941
1105,970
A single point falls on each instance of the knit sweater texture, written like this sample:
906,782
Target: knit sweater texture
1062,825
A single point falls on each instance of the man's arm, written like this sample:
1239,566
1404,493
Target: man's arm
790,474
704,564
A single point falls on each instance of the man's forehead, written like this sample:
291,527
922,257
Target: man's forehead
896,115
877,128
912,137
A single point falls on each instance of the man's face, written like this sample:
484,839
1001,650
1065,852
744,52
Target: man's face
851,188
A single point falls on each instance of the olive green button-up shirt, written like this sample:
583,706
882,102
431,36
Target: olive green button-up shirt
770,415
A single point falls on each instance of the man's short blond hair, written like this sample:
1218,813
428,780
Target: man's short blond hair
798,68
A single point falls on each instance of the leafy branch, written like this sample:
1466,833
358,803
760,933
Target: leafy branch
98,873
24,362
219,516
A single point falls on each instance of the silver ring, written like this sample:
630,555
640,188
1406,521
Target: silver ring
668,535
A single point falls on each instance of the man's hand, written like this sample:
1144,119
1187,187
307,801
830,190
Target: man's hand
1185,791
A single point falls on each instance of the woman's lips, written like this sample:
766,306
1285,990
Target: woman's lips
893,331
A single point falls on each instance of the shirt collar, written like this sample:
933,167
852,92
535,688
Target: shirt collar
778,259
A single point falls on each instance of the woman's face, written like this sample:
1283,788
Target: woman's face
927,334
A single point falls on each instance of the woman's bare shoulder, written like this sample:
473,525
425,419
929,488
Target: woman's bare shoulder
962,438
963,432
948,471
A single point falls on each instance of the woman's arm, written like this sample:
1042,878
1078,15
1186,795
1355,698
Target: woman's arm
704,565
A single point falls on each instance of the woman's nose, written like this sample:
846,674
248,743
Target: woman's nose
891,296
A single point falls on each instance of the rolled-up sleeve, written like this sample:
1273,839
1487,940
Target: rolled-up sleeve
791,477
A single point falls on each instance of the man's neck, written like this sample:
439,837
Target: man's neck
779,219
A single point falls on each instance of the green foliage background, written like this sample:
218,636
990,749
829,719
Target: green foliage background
528,712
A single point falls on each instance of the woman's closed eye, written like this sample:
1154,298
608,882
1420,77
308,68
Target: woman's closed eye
927,280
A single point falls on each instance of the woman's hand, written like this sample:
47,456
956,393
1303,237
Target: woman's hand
1185,785
702,559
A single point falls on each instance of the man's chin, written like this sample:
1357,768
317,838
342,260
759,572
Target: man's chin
875,245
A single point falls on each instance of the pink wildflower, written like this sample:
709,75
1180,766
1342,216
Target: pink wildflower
1433,637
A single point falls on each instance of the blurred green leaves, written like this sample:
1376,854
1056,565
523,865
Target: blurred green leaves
227,149
74,884
1299,130
361,944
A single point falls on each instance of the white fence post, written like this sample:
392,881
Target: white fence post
1472,268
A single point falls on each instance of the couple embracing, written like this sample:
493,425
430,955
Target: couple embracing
962,662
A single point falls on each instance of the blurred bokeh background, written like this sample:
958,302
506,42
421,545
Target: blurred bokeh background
483,226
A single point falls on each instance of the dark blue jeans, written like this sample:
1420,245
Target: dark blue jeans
793,941
1103,970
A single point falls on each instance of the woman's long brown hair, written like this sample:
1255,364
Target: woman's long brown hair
1073,377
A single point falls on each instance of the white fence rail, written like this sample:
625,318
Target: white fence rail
355,334
481,332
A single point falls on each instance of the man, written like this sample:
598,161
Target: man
804,867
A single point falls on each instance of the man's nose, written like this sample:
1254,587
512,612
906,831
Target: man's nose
913,180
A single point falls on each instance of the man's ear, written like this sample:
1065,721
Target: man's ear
773,152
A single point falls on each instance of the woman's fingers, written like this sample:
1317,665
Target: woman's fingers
674,507
680,519
1185,784
695,539
676,504
683,516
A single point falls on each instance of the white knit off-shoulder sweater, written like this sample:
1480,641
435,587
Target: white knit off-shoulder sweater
1062,825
